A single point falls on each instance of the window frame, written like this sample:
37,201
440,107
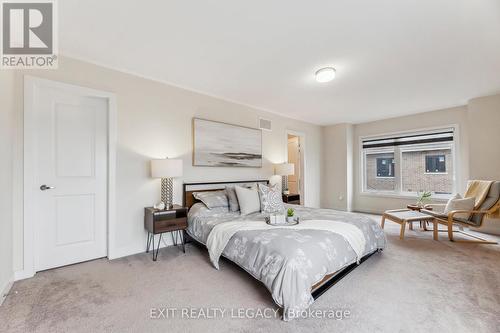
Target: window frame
398,151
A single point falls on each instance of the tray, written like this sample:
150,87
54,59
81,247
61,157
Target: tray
295,222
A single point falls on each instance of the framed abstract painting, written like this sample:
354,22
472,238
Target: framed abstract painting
219,144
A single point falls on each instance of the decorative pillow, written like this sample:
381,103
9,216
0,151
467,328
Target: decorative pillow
458,203
248,199
271,199
212,199
233,199
200,209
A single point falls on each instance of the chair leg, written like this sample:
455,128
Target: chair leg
450,231
435,230
479,240
382,223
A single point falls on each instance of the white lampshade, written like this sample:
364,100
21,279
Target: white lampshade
284,169
166,168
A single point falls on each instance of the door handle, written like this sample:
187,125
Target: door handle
45,187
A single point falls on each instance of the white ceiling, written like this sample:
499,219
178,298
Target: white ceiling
393,57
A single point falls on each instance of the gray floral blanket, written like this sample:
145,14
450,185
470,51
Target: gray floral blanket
287,261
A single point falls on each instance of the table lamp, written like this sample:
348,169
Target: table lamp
284,170
166,169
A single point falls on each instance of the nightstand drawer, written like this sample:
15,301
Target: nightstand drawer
293,199
169,214
168,225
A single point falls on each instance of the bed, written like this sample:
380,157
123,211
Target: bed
296,265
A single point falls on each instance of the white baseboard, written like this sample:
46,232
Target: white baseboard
129,251
124,252
5,291
115,254
368,211
24,274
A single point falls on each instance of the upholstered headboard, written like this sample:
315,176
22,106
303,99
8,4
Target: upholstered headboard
190,188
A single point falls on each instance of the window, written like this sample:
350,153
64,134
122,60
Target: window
409,163
435,163
385,167
380,170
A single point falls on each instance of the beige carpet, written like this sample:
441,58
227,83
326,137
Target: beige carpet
415,285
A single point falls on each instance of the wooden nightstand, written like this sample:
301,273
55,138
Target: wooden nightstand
157,221
293,199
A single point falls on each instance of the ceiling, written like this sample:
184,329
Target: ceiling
392,57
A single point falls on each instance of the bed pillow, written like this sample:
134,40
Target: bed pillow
200,209
212,199
271,199
458,203
248,199
233,199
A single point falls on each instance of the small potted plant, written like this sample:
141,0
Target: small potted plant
289,215
423,198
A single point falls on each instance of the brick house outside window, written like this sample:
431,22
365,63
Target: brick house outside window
414,174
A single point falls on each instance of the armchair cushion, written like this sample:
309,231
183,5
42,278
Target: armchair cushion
459,203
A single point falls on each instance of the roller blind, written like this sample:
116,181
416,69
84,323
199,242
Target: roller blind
400,140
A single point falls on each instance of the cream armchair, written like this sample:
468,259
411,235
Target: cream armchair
489,206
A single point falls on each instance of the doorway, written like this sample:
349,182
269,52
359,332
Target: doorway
295,155
69,159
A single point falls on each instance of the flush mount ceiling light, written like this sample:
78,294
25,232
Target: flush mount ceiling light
325,74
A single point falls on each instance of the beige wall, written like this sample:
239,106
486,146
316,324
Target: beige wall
484,141
154,121
337,167
6,118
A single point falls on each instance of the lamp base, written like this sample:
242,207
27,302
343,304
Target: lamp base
167,187
284,185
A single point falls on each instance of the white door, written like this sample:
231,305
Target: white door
71,174
294,157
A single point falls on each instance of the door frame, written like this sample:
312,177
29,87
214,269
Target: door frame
30,85
302,141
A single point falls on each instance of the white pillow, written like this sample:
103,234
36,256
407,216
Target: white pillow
458,203
248,199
